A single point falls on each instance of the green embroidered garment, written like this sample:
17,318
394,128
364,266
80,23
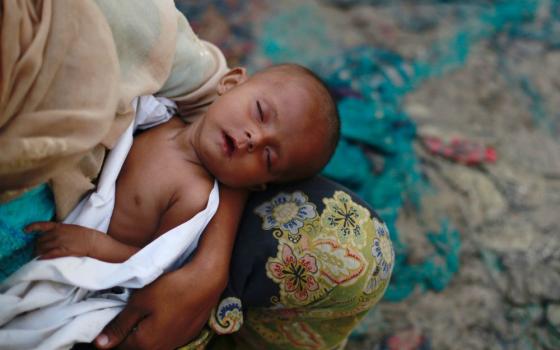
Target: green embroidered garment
310,260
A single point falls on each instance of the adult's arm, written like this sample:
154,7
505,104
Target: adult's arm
172,310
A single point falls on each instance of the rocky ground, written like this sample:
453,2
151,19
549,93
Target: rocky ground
505,95
507,292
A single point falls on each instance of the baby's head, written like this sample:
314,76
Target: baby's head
281,124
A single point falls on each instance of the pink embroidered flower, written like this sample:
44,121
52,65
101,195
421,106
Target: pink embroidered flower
294,274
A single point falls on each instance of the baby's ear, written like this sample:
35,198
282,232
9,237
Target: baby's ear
231,79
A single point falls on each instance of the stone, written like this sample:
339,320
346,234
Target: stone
553,316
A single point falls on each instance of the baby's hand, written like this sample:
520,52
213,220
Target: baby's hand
57,240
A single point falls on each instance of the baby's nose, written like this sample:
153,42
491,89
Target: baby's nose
247,142
253,140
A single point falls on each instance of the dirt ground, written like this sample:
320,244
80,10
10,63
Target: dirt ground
503,93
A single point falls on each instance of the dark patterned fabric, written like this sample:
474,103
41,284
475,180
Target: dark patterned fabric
310,260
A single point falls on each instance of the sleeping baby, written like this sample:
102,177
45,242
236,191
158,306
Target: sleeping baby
156,195
280,124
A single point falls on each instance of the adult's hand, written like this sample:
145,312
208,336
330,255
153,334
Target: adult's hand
166,314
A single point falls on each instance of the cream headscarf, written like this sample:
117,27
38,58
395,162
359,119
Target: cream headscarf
68,72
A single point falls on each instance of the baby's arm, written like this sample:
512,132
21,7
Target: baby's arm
58,240
162,313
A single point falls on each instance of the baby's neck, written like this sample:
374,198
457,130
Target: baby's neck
183,137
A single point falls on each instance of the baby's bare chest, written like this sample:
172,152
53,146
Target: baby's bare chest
145,190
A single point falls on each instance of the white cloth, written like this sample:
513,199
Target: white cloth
53,304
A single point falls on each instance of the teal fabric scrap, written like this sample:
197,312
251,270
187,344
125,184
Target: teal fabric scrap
16,246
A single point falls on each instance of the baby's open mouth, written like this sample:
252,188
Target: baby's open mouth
229,144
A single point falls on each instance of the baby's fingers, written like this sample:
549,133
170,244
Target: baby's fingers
53,253
46,237
41,226
41,247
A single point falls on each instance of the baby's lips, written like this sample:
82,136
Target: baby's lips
229,144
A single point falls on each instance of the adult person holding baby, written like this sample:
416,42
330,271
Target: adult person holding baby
67,83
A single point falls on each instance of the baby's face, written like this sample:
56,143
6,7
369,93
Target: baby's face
260,130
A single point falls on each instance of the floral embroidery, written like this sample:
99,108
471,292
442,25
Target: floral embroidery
345,217
301,335
266,329
287,212
228,317
294,274
382,251
339,261
340,265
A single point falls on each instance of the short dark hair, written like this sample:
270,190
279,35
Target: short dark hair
328,103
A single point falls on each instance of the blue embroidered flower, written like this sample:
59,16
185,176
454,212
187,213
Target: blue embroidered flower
286,212
228,317
382,251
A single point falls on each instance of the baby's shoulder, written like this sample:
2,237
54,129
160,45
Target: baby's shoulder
194,190
189,197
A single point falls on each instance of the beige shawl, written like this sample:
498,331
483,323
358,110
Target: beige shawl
68,72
